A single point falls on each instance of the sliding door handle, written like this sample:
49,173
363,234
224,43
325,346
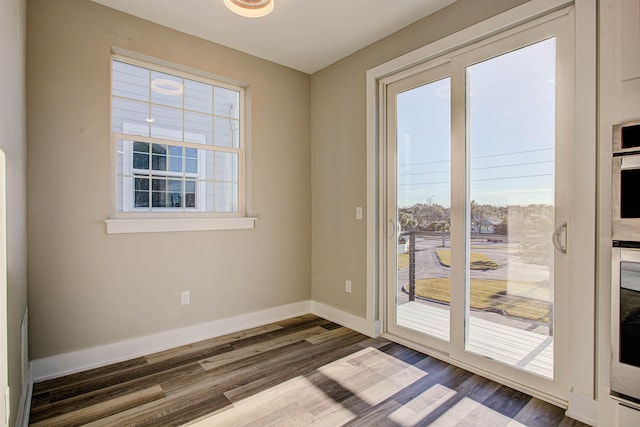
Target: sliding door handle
560,238
391,229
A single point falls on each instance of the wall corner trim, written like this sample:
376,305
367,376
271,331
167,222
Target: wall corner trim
81,360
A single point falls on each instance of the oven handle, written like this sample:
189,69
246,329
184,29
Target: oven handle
561,246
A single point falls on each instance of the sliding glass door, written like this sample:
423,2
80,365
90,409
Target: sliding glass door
421,190
476,199
510,114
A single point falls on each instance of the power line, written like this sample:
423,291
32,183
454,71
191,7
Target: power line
480,157
475,168
515,152
482,179
514,164
512,177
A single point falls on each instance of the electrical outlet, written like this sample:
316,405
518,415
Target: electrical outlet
347,286
185,297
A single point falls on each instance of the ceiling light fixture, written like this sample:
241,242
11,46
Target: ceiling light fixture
250,8
167,87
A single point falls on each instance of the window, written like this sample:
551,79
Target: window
178,151
178,142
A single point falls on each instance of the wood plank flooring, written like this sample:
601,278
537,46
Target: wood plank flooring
297,372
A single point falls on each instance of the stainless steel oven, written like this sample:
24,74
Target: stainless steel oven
625,213
625,283
625,369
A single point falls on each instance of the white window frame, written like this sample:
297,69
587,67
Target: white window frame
127,219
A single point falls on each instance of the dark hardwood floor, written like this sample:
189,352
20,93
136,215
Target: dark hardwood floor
297,372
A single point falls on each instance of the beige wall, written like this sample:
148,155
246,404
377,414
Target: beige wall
338,151
87,288
13,142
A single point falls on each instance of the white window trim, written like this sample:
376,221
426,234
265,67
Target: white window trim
154,222
158,225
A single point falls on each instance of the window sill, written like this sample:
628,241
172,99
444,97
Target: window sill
162,225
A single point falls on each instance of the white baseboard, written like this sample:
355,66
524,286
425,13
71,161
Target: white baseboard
81,360
67,363
583,409
358,324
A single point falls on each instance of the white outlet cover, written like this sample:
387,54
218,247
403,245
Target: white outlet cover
185,298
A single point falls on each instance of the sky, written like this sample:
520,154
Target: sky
510,116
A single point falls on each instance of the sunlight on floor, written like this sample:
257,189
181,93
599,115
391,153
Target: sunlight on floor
334,395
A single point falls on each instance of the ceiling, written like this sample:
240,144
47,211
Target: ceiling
306,35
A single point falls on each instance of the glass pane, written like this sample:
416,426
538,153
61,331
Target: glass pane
226,103
167,123
175,185
424,203
198,97
190,200
191,165
209,164
158,200
511,120
142,184
175,164
130,81
140,147
226,132
198,128
166,89
226,197
130,117
207,187
141,195
159,184
141,199
159,157
174,200
140,161
226,167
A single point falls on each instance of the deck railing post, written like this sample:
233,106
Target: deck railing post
412,265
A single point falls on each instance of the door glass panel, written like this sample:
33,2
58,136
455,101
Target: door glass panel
511,137
423,203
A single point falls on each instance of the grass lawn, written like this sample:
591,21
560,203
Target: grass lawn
478,261
403,261
490,295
